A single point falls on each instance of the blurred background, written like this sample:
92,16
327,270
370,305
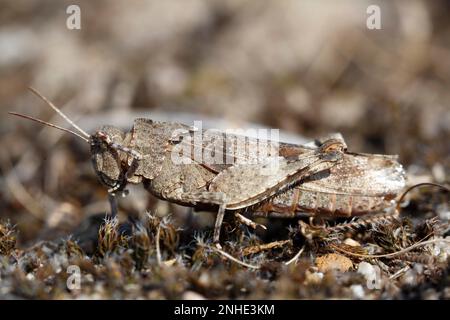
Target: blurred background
306,67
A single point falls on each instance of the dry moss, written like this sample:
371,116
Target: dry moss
7,238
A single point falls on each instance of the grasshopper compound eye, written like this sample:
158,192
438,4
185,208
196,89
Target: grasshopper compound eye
103,136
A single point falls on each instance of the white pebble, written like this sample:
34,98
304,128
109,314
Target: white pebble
358,291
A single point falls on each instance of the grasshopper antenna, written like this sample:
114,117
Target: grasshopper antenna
49,125
84,133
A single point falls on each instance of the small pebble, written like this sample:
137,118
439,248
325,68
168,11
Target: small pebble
371,273
358,291
351,242
313,277
191,295
333,261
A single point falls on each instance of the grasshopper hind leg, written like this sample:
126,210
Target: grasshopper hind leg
218,198
218,226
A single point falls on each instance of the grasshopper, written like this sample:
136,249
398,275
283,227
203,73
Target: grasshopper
319,179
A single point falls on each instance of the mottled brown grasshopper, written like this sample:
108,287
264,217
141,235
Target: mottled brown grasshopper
317,179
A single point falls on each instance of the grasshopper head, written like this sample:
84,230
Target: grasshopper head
105,155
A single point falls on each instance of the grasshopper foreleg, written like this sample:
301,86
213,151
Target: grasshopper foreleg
113,203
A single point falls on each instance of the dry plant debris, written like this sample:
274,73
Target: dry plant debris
153,257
